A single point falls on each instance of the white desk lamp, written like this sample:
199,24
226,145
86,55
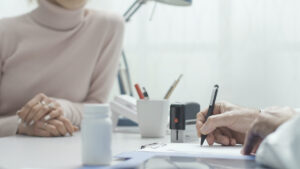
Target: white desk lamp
176,2
127,16
138,3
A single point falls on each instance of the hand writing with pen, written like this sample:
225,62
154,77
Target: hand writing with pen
231,124
43,117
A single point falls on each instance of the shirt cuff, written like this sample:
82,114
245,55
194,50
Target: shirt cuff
297,110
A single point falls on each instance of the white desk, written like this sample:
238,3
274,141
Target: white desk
62,152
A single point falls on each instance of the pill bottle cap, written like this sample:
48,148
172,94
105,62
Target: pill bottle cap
96,110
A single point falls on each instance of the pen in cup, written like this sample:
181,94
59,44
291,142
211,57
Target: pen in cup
145,93
139,91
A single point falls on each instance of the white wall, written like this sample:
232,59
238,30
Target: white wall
251,48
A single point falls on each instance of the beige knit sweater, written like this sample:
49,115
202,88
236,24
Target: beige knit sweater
71,56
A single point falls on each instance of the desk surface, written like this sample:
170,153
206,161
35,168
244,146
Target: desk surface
61,152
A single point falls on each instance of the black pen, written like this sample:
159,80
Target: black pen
211,108
145,93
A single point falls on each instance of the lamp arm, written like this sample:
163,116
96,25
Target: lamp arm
129,82
127,15
130,8
133,9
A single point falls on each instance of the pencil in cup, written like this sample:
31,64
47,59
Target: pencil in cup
172,88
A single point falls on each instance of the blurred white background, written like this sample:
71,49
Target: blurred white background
251,48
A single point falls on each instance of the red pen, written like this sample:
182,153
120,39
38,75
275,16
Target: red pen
139,91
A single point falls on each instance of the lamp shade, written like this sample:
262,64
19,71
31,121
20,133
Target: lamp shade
176,2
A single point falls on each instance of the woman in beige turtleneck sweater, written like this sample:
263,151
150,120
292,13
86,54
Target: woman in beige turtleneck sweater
67,53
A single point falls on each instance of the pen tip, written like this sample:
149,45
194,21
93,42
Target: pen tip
202,141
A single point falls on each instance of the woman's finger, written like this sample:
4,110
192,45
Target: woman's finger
41,133
56,104
52,129
40,100
68,124
20,113
47,106
41,113
59,126
53,114
35,109
37,130
48,127
29,105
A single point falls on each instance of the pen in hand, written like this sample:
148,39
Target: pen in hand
211,108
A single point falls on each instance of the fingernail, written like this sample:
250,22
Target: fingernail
31,123
47,118
19,121
202,130
18,112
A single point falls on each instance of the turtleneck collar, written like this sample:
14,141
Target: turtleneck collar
55,17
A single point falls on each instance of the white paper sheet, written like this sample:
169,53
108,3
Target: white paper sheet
194,148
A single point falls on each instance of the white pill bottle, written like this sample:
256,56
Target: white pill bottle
96,133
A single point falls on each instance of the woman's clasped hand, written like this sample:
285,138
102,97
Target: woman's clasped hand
44,117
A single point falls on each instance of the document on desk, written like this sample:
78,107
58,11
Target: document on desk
187,152
195,149
184,153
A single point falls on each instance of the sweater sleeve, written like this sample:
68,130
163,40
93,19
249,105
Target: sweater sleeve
103,75
1,53
8,125
1,60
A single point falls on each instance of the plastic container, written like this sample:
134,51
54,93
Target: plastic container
96,130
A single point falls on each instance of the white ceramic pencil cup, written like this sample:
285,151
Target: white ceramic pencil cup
153,117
